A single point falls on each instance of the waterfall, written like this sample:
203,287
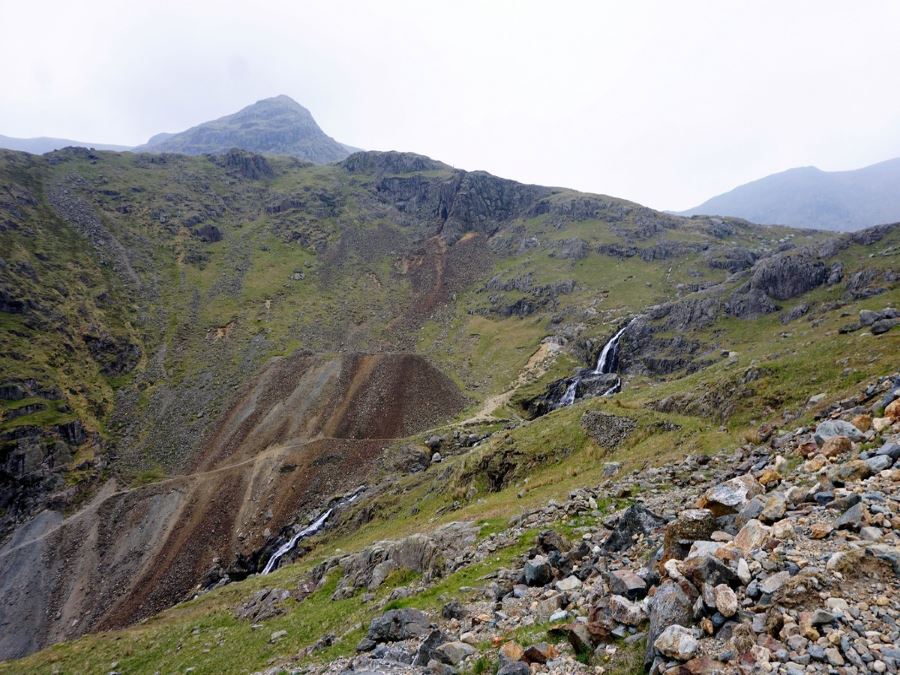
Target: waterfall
607,360
568,398
309,530
606,364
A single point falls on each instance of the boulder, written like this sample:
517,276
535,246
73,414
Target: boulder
725,600
851,519
892,411
425,652
540,653
577,634
889,449
624,611
626,583
829,428
879,463
884,325
730,496
774,509
570,583
454,653
855,469
773,582
862,422
671,605
690,525
635,521
538,571
752,536
266,603
676,642
708,569
393,626
836,445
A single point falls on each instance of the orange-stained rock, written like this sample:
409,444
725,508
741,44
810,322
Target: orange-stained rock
836,445
862,422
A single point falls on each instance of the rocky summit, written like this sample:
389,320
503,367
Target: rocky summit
271,405
276,126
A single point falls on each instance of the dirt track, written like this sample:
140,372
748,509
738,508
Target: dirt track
307,427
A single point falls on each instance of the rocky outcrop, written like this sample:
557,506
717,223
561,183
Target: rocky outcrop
868,282
245,164
570,249
750,303
779,277
788,275
430,555
589,384
732,258
266,603
33,463
666,250
390,162
459,202
697,311
394,626
115,355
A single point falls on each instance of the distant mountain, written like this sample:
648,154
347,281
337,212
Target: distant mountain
38,146
277,126
810,197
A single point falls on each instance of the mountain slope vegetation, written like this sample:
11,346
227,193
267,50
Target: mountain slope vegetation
199,352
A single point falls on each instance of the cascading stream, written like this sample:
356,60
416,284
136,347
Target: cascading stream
606,364
311,529
607,360
568,398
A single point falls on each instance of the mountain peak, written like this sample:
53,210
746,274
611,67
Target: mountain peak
277,125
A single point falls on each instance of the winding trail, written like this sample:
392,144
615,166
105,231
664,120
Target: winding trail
536,366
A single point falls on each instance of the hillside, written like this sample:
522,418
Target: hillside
203,355
810,197
276,126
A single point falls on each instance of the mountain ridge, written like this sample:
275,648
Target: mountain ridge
39,145
810,197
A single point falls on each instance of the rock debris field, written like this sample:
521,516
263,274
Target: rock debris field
780,556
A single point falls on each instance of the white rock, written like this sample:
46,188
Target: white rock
726,600
677,642
570,583
743,572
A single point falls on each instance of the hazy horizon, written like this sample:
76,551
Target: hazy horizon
666,105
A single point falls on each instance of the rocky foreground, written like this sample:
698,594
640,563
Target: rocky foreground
781,556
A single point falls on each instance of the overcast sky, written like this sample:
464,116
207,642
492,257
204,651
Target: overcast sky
666,103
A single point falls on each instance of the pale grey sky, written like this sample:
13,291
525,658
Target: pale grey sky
666,103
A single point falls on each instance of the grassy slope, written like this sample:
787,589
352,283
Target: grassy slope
555,457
